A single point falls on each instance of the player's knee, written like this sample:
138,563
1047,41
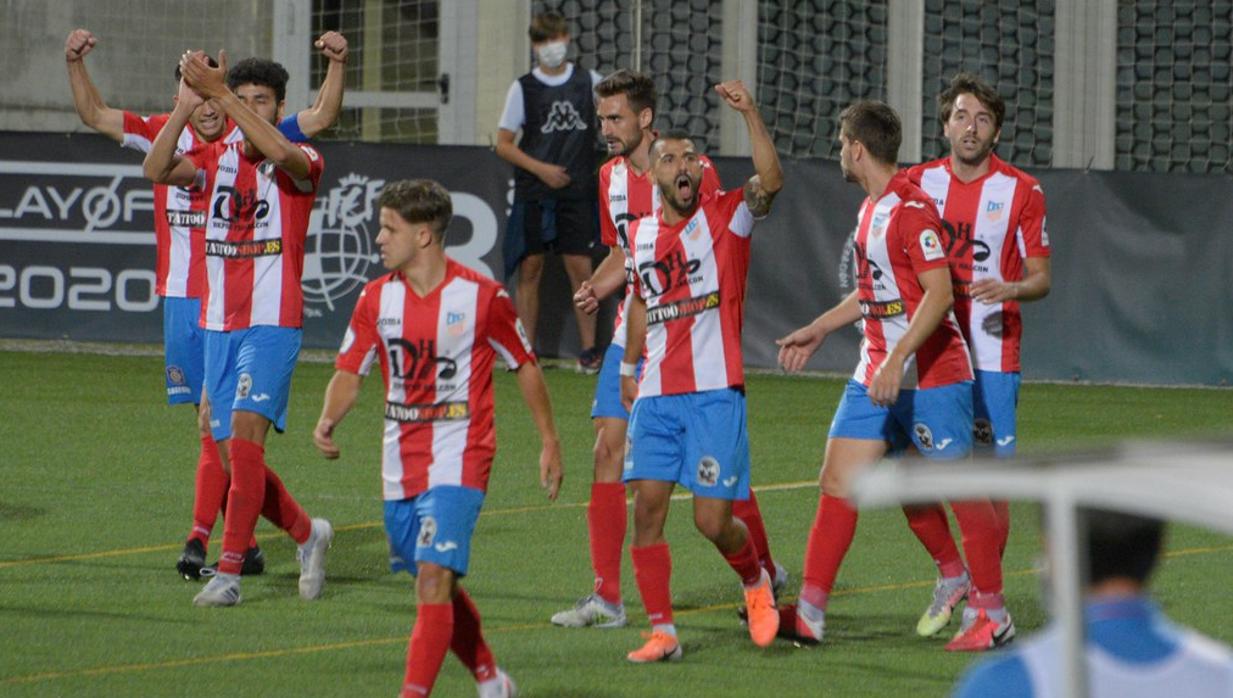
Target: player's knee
711,525
249,426
609,455
833,481
531,269
433,583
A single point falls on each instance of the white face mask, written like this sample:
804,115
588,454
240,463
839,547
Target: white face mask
552,55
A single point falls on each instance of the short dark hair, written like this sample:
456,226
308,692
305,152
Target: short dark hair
259,71
967,83
209,60
547,26
638,88
419,201
876,126
673,134
1121,545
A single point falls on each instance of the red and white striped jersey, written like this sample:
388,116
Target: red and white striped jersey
624,197
992,224
179,213
692,276
898,236
437,354
256,223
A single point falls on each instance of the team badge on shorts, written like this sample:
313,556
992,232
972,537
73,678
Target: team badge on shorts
923,436
708,471
428,531
175,375
982,432
243,386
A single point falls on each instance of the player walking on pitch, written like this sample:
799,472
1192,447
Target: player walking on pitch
437,328
627,192
994,216
913,383
687,424
261,192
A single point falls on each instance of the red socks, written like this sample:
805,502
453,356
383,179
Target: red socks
932,529
468,641
210,490
244,501
606,523
430,640
745,563
829,538
1001,507
748,512
281,509
653,571
982,535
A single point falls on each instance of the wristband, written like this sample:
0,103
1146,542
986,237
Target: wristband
628,369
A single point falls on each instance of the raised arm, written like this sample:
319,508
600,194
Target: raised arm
264,136
340,397
326,108
761,188
535,393
162,165
90,106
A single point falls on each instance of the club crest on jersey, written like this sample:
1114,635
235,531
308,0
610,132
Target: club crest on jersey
428,532
982,432
563,117
708,471
924,436
994,209
243,386
878,225
931,245
992,324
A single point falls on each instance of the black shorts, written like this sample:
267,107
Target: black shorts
563,226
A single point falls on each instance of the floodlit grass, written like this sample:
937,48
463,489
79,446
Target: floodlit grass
96,478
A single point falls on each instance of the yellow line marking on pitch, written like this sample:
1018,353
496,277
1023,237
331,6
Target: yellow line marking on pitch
352,644
120,552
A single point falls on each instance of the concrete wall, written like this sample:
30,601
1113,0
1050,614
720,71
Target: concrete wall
139,42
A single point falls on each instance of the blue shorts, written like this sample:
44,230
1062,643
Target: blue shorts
434,526
994,399
249,370
607,402
697,439
937,420
183,350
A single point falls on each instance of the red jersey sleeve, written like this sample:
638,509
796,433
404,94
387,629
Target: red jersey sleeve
1032,233
140,131
710,178
607,230
732,207
505,333
920,234
316,163
361,342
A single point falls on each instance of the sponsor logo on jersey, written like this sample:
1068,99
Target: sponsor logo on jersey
882,309
433,412
994,209
455,323
562,116
708,471
683,308
616,198
992,324
244,249
930,245
186,219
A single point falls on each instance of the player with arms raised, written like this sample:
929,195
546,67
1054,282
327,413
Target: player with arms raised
687,424
627,192
436,328
261,192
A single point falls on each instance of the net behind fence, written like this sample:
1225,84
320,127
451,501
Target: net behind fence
1174,89
1010,45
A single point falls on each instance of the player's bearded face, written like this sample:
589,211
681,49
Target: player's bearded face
846,165
678,172
262,100
619,125
971,130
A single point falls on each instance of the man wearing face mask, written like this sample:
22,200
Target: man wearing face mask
554,175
